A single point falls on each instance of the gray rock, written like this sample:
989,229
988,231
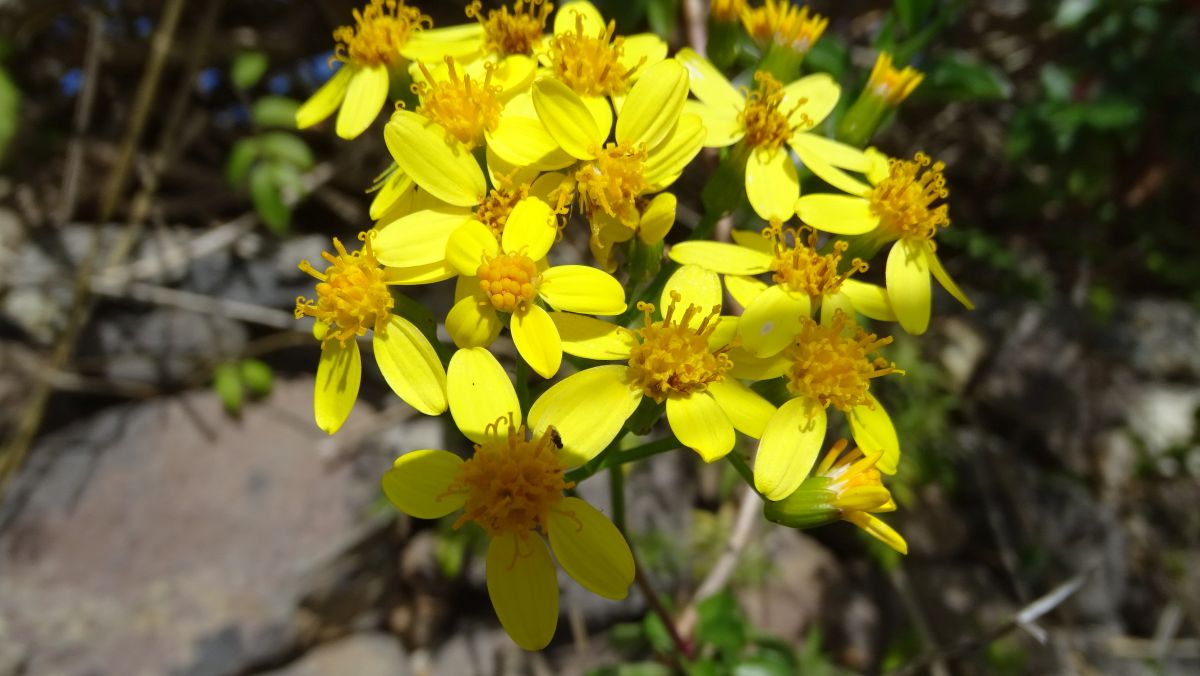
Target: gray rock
1159,338
168,538
365,654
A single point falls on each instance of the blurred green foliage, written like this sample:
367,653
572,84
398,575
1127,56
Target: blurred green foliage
235,382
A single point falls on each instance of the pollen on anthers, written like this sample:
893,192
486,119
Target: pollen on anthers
591,65
833,365
509,281
767,125
352,292
673,356
904,200
785,24
380,30
614,181
798,265
465,109
512,483
515,32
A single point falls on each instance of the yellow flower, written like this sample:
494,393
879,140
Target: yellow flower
376,43
681,360
494,37
844,486
726,11
654,142
513,488
655,218
804,280
898,206
509,275
890,84
766,120
782,23
826,364
352,299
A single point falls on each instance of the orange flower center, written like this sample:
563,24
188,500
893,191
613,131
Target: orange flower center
380,30
465,109
766,125
904,200
890,84
785,24
352,294
510,281
853,479
512,484
832,367
673,356
515,32
590,65
798,265
614,181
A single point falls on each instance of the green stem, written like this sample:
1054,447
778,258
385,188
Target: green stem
609,457
739,463
616,489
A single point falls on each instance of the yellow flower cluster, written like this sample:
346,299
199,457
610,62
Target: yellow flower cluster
534,127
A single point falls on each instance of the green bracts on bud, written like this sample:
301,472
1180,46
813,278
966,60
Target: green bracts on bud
811,505
862,119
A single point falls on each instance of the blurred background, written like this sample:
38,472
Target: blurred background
167,505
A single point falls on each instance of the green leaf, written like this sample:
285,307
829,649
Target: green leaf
912,12
962,78
828,55
721,623
10,111
1056,82
662,15
275,111
257,377
227,382
1111,114
242,156
657,634
282,147
760,666
247,69
268,202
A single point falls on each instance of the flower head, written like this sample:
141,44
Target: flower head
512,32
380,32
768,125
844,486
673,356
904,199
726,11
891,84
466,110
783,23
589,58
831,365
352,293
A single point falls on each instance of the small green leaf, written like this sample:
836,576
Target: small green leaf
228,385
282,147
242,156
962,78
10,111
268,202
275,111
247,69
257,377
912,12
721,624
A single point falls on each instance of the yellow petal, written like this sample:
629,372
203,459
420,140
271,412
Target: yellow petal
876,528
753,239
421,274
878,166
908,284
537,340
602,113
943,277
587,409
523,141
591,549
365,95
869,300
818,153
641,51
419,481
469,245
749,367
524,588
480,394
666,161
721,125
744,289
820,94
654,104
410,366
708,84
472,322
579,288
832,304
695,285
530,228
339,374
325,100
873,431
773,320
445,168
721,257
499,169
565,20
747,410
657,218
771,184
397,187
567,119
725,332
432,44
837,214
789,446
419,238
700,424
592,338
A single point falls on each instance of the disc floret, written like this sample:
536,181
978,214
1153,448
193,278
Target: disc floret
614,181
904,200
509,280
515,32
801,268
380,31
591,64
352,293
767,126
465,109
673,356
833,366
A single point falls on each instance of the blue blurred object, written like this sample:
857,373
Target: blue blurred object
279,84
208,80
71,82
